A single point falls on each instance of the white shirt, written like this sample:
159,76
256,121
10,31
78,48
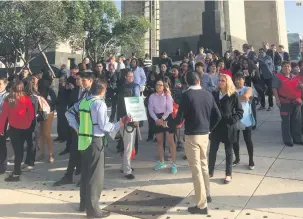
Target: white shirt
139,76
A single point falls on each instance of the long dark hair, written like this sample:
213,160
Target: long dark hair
16,91
31,89
44,87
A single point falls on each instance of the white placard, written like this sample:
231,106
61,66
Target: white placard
135,108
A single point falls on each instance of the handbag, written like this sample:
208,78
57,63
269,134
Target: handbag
248,119
43,109
174,114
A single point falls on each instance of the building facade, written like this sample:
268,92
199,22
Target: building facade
218,25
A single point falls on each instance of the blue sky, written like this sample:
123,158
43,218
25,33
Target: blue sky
294,16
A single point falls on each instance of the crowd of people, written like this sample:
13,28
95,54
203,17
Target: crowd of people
213,98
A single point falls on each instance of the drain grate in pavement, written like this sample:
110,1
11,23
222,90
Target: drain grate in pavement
143,204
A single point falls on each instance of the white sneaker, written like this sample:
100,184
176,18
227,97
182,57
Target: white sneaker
23,166
28,168
12,158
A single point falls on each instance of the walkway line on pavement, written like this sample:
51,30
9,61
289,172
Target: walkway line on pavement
276,158
260,182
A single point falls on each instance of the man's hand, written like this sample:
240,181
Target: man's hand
159,122
77,131
136,124
71,86
121,123
2,134
278,103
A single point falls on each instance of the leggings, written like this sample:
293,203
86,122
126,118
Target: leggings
248,142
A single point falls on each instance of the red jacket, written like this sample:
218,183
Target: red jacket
290,89
19,116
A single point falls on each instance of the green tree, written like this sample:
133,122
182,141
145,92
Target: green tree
33,27
106,31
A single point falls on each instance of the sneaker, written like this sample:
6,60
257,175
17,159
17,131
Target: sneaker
12,178
121,171
63,152
236,162
179,146
261,108
129,176
12,158
196,210
26,168
269,108
23,166
63,181
160,165
82,207
173,168
289,144
251,165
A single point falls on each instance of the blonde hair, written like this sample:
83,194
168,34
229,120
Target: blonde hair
230,87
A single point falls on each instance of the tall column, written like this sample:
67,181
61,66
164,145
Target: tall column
265,21
214,35
234,13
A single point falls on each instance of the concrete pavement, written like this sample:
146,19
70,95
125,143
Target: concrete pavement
273,190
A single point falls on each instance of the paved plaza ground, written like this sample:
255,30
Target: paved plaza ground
273,190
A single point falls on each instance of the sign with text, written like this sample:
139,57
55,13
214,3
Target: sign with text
135,108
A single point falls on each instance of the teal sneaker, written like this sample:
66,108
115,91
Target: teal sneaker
160,165
173,168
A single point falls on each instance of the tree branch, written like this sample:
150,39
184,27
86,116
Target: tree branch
46,60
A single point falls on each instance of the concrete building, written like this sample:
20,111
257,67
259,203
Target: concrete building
214,24
62,54
149,9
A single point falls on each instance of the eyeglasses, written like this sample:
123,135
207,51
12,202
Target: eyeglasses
221,81
160,85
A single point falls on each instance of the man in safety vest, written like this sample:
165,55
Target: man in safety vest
93,124
287,91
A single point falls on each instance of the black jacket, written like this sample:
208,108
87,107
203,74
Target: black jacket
286,56
150,86
232,112
200,112
275,56
111,79
73,97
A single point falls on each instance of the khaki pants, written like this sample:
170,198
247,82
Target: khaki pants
196,151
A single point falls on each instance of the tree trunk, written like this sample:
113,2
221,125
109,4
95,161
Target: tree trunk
46,61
